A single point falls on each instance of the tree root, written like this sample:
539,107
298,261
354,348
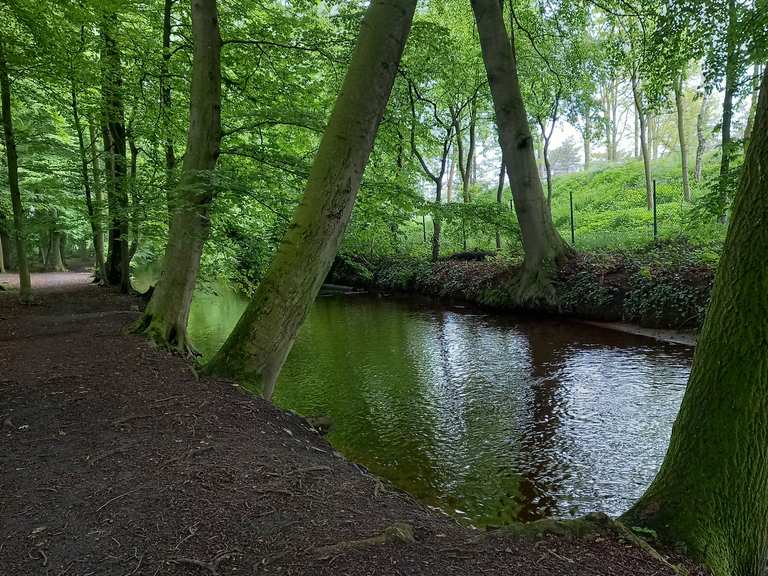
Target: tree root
397,532
165,335
212,566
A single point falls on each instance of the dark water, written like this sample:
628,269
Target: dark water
487,417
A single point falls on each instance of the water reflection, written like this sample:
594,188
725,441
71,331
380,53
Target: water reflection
492,418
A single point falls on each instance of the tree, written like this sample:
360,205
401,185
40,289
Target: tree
25,285
544,248
259,344
165,319
680,107
711,493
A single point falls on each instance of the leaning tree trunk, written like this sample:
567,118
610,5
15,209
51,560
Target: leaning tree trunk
165,319
637,96
257,348
711,493
544,248
25,286
681,136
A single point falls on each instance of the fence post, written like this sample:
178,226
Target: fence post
573,229
655,217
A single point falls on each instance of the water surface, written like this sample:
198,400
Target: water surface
491,418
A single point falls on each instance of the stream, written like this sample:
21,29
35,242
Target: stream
489,417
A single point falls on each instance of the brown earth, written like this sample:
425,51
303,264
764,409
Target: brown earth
117,459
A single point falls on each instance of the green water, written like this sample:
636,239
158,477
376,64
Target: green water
490,418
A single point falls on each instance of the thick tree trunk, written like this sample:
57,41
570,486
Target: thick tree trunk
638,98
118,264
25,286
701,138
543,247
257,348
711,493
681,136
165,319
92,216
54,261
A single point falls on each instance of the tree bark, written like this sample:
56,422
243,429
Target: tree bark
25,285
118,261
701,138
259,344
587,142
731,85
638,98
165,319
543,247
678,86
54,261
92,217
5,242
711,493
449,184
500,200
165,105
753,104
98,206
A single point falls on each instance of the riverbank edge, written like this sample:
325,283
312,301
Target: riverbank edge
354,523
654,298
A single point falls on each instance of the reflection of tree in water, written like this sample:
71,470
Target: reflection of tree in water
541,462
357,361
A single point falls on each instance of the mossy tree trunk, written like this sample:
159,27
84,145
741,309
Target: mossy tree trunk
54,261
165,319
259,344
25,285
711,493
543,247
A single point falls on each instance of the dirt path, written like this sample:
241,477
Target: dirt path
117,459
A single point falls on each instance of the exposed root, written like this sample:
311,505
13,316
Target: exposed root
212,566
165,335
397,532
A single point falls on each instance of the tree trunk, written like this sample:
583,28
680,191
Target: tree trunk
731,85
681,136
437,223
711,493
118,264
54,262
165,319
467,172
165,106
449,184
500,201
753,105
5,242
543,247
98,206
2,256
25,286
636,152
259,344
135,207
701,138
587,142
92,217
638,98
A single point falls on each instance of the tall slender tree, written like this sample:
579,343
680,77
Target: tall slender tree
711,493
544,248
259,344
25,285
165,319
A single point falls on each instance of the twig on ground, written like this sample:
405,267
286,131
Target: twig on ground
108,502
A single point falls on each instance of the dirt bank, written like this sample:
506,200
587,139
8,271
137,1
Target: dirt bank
117,459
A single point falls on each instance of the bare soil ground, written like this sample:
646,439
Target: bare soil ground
116,459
